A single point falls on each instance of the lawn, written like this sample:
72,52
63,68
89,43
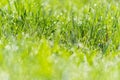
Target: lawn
59,40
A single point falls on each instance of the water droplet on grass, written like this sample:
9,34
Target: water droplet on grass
95,5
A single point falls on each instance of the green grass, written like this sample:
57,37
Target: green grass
59,40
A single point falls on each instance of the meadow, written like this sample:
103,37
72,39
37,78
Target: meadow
59,40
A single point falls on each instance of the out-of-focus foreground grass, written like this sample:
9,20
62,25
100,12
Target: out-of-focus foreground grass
59,40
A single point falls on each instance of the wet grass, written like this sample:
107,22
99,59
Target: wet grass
59,40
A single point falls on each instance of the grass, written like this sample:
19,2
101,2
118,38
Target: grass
59,40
